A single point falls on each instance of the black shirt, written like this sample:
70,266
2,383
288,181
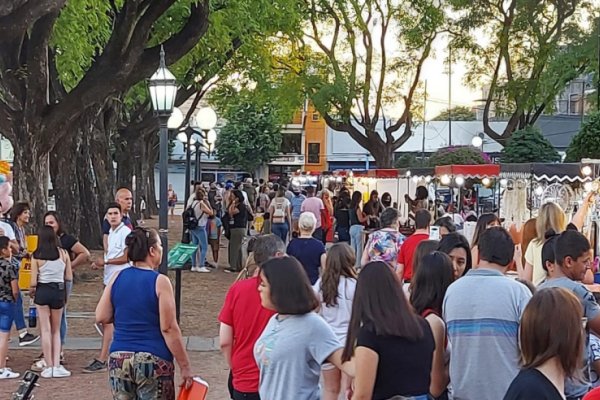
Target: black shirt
240,220
531,384
404,366
342,217
67,242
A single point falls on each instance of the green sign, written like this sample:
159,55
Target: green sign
180,254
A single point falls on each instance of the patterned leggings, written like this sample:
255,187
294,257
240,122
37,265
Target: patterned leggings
140,376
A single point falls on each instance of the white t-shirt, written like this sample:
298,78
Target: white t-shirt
116,248
8,230
533,255
338,317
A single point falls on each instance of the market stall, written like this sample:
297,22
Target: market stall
527,186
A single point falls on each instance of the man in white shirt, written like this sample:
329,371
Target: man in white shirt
114,260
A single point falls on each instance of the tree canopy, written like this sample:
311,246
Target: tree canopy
458,113
252,134
529,145
534,49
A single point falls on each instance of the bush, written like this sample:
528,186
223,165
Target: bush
459,155
529,145
586,144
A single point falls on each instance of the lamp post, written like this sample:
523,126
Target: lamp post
186,137
206,120
163,89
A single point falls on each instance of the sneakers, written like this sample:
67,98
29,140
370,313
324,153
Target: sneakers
39,365
194,269
202,269
230,271
27,339
99,329
209,264
7,373
95,366
47,372
60,372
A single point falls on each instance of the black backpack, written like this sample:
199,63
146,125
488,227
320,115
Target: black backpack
189,218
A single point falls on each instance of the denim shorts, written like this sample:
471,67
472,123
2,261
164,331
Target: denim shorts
7,315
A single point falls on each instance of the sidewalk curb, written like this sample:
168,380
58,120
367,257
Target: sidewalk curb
192,343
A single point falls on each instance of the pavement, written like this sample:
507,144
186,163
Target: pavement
192,343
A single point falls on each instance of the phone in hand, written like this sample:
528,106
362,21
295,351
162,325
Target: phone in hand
434,233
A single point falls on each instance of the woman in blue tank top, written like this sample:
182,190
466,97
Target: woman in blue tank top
140,303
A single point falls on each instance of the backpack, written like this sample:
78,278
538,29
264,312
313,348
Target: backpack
189,218
279,211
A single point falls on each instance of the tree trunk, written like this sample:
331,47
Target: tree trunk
101,158
31,174
65,185
384,156
124,159
90,232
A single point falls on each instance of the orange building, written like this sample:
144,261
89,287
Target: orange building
315,141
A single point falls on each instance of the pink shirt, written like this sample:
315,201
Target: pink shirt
313,205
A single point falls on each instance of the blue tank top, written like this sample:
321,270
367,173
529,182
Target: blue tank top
137,321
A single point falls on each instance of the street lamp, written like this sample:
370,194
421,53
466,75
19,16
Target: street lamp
477,141
163,89
186,137
206,120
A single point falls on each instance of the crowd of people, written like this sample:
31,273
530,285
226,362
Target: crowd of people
413,317
375,315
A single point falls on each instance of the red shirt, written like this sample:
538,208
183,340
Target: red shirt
245,314
407,251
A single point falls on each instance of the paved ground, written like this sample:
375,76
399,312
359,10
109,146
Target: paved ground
202,298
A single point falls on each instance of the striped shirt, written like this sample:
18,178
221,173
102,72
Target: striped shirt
482,311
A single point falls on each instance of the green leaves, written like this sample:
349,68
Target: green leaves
458,155
252,135
529,145
586,144
458,113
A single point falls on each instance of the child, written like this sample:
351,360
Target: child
214,238
9,291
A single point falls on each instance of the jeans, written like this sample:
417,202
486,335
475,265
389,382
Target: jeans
141,376
63,322
343,233
19,314
7,314
356,241
281,230
200,239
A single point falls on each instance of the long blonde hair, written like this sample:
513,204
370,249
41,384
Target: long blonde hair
551,216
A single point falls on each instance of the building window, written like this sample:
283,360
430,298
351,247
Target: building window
315,116
291,143
314,151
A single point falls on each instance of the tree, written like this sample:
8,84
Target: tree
586,144
459,155
529,145
252,135
356,79
60,63
535,48
458,113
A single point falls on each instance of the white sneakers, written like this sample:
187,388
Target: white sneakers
55,372
200,269
7,373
